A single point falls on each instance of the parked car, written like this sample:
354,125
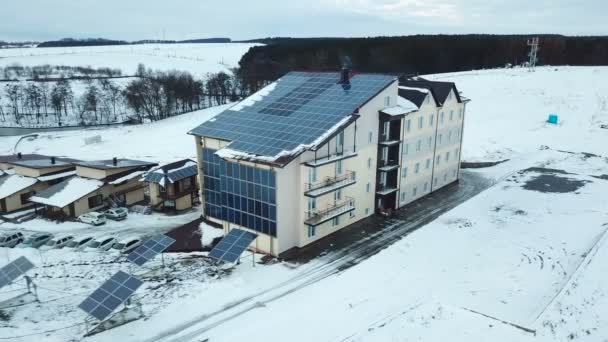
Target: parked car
127,245
11,239
116,214
79,242
101,244
93,218
57,242
36,240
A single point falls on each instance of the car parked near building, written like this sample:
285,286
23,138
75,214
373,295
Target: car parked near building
36,240
127,245
93,217
80,242
57,242
11,239
101,244
116,214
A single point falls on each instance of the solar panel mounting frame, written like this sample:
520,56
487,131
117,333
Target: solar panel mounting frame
231,247
105,299
14,270
149,249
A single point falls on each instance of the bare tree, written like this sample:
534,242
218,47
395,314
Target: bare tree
14,92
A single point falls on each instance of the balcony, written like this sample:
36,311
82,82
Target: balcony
329,184
387,140
388,165
384,189
316,217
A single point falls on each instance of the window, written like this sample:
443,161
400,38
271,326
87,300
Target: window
414,191
456,153
440,138
447,156
406,149
428,164
402,196
385,129
427,99
419,145
383,178
312,231
417,168
352,214
338,195
442,117
430,142
370,137
438,160
185,184
408,125
387,101
445,177
312,204
420,122
426,185
366,211
340,142
460,113
454,173
451,115
338,167
404,172
368,187
435,181
431,120
312,175
450,95
385,153
369,163
335,221
95,201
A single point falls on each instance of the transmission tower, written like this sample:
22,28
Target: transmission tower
533,54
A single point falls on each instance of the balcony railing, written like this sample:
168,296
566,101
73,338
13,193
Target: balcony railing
384,189
389,163
329,184
317,217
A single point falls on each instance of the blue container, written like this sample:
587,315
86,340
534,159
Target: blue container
552,119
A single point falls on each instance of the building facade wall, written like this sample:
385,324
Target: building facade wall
13,202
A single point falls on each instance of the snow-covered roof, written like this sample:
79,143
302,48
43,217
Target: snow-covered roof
113,164
62,194
297,112
422,90
172,172
127,177
56,176
403,107
14,183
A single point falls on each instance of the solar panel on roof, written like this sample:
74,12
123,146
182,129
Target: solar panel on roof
296,110
154,177
14,270
183,173
150,249
231,247
115,291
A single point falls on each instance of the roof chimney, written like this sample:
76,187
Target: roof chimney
114,161
52,160
344,76
19,156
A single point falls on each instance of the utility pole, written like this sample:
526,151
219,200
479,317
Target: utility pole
533,43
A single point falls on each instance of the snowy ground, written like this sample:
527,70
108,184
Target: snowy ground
522,261
196,58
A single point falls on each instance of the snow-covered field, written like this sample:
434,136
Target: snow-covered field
196,58
522,261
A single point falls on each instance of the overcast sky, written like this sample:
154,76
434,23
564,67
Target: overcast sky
245,19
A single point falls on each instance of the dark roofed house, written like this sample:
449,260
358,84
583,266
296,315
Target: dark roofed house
440,90
173,186
6,160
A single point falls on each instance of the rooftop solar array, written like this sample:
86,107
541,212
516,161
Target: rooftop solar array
182,173
295,110
231,247
14,270
150,249
115,291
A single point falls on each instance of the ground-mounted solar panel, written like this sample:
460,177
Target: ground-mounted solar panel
14,270
115,291
150,249
231,247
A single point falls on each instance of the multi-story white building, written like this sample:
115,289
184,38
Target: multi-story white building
315,152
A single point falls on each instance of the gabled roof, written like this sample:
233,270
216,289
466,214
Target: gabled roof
114,164
292,114
440,90
70,190
172,172
12,184
415,96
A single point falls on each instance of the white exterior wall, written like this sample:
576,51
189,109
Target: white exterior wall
450,131
412,183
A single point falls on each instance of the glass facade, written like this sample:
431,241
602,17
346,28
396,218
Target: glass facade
240,194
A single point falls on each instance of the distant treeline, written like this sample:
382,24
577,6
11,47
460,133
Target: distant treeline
421,54
17,71
71,42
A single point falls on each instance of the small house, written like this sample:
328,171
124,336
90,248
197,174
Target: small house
96,184
173,186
